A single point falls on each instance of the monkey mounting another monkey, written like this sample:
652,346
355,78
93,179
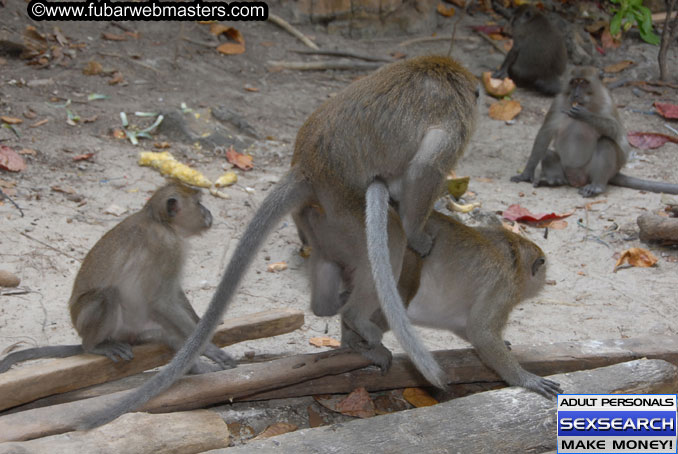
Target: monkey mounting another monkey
128,288
468,284
538,58
393,134
589,140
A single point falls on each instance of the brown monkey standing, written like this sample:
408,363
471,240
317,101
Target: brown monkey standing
128,288
589,141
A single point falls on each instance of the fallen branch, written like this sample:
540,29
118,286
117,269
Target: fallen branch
323,65
188,393
506,420
658,229
430,39
25,384
491,41
342,53
282,23
174,433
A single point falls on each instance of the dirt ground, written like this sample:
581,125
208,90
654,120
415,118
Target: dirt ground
585,300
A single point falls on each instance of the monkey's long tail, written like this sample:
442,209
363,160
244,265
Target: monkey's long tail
290,192
644,185
52,351
387,289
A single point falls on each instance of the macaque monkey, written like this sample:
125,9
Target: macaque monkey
393,134
538,58
589,140
468,284
128,288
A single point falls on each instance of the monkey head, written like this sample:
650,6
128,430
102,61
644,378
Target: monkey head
179,206
584,87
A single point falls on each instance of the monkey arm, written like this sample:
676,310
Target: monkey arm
510,59
541,144
605,125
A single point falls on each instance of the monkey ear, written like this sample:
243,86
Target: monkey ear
537,264
172,207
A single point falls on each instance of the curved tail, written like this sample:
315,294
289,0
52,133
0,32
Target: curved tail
387,289
643,185
52,351
290,192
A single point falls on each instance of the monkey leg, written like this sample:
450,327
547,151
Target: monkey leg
602,167
483,330
552,173
98,321
551,86
421,186
327,297
379,355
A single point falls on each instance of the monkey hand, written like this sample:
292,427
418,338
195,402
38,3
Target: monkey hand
544,386
578,112
501,73
223,359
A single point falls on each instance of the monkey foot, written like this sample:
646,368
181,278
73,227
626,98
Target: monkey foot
521,177
380,356
114,351
591,190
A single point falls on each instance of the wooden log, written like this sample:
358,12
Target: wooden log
140,433
506,420
462,365
25,384
188,393
658,228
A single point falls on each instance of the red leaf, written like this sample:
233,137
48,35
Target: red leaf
519,214
649,140
10,160
666,110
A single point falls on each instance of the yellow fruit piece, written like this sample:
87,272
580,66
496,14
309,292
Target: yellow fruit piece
226,179
167,165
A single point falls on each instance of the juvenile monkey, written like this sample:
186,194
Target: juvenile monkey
589,140
128,288
468,284
393,134
538,57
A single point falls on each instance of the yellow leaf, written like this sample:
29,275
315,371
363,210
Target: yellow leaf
231,48
505,110
358,404
636,257
617,67
445,11
418,397
324,341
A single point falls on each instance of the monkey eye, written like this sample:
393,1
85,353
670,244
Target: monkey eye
477,92
172,207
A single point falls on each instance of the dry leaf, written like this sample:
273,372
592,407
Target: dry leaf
358,404
666,110
596,26
118,133
649,140
251,88
115,210
608,41
239,160
305,251
61,39
390,403
63,189
418,397
505,110
618,67
445,11
459,3
116,79
276,429
11,120
161,145
91,119
39,123
231,48
10,160
636,257
30,114
83,157
315,419
324,341
28,151
113,37
277,266
498,87
92,68
558,224
230,32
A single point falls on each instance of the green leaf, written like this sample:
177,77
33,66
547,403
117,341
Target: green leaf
615,24
649,37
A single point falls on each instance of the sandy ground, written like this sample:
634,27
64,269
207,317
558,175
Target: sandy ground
45,247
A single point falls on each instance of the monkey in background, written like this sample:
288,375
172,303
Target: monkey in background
468,284
395,134
128,289
538,58
589,140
